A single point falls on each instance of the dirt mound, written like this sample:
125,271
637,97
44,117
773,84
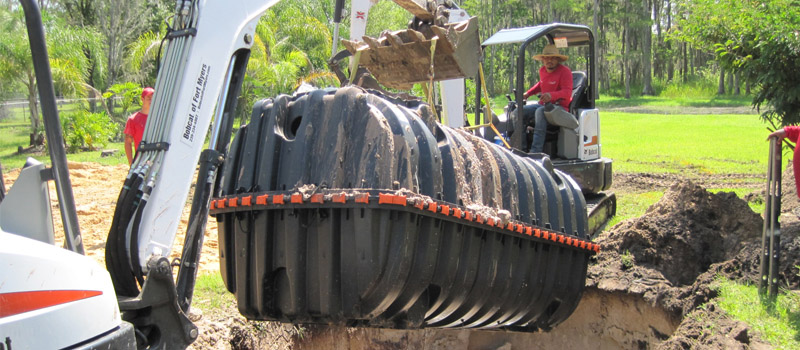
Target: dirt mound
684,233
673,253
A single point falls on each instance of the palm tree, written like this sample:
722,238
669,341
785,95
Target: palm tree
290,47
67,48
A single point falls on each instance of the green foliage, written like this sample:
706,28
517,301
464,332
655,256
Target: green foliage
777,323
386,15
626,259
290,47
140,62
85,130
755,39
125,95
210,292
73,53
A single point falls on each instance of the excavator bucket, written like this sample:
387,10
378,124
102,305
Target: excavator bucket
340,206
402,58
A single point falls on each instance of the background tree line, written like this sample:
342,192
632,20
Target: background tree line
107,49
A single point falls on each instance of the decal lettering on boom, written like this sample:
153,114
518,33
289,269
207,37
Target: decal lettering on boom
190,127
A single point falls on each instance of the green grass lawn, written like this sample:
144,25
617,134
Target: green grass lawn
15,135
703,144
606,101
14,131
778,322
690,145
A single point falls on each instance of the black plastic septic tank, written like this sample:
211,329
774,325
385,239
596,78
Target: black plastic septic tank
346,207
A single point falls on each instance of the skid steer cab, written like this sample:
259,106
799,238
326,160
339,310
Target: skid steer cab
573,141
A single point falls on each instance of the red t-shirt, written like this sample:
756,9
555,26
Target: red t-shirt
558,84
793,133
135,127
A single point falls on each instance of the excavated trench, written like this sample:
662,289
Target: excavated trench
603,320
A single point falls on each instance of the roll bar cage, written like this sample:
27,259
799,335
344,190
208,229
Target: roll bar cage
575,35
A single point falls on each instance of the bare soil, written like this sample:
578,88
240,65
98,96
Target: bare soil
643,290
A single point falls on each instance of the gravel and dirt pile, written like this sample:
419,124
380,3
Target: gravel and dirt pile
644,288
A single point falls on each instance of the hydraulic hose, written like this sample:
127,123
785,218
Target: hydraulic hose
123,258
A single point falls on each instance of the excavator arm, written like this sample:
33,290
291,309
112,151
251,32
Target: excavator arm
204,55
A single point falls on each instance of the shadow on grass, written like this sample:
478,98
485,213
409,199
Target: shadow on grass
791,301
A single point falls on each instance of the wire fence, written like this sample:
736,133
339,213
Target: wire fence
19,110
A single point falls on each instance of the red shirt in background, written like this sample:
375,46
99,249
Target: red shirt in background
135,127
792,133
558,84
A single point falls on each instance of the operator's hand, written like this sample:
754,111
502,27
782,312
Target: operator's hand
546,97
779,134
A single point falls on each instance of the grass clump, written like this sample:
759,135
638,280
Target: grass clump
627,260
777,322
210,293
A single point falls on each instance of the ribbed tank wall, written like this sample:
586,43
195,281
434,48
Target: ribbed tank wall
365,265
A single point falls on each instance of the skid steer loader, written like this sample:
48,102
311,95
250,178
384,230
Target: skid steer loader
575,146
441,44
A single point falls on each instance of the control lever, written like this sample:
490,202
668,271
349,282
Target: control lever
510,112
512,104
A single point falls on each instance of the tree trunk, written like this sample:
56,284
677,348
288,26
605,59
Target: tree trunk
721,86
736,90
647,39
685,70
626,72
731,83
595,10
658,64
35,135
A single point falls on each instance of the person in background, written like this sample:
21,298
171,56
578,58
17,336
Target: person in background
134,127
793,134
555,86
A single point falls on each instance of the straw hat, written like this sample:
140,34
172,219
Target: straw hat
550,51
